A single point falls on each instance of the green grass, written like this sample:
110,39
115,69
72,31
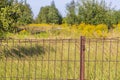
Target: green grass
103,57
38,60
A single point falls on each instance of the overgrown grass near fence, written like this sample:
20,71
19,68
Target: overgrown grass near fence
44,59
102,59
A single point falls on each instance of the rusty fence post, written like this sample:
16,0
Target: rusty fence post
82,58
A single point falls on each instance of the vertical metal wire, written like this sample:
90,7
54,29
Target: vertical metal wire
29,77
43,44
36,60
68,59
75,59
89,48
95,60
23,69
12,61
18,46
35,67
55,59
11,68
110,60
102,70
61,61
48,58
116,67
5,66
6,57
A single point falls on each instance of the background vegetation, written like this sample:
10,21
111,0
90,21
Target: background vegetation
90,18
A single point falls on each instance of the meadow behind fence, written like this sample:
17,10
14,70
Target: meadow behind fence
40,59
60,59
102,59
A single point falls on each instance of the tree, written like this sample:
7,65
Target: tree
3,3
13,14
116,15
26,15
71,13
49,14
43,15
93,12
54,16
8,16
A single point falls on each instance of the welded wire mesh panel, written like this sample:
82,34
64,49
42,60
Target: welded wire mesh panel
40,59
102,59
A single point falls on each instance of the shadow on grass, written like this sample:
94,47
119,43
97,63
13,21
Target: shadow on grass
24,51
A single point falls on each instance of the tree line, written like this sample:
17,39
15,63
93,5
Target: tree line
14,13
86,11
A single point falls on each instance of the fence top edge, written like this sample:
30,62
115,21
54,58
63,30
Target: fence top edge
87,38
102,38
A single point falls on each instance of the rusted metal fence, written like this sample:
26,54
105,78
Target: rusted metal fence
60,59
102,59
40,59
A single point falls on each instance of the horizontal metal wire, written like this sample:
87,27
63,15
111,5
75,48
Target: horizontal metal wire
101,61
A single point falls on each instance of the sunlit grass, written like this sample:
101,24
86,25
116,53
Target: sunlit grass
42,60
65,31
28,61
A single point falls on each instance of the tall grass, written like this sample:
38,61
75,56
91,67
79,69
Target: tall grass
65,31
102,59
59,59
40,60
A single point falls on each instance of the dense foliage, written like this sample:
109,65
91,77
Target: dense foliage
14,14
71,17
95,12
49,14
87,11
90,14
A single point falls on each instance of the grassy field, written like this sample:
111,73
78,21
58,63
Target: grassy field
59,59
102,59
37,31
31,59
40,60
